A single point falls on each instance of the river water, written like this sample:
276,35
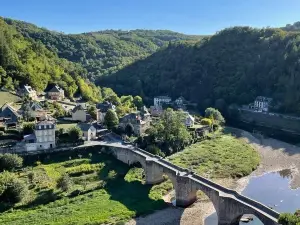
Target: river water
271,189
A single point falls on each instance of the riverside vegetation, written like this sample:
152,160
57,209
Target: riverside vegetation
88,187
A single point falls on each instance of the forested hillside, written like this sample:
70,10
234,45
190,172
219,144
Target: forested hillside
233,66
103,52
23,60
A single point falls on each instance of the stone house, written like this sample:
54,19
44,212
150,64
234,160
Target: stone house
9,114
189,120
102,109
30,92
56,93
79,114
140,121
262,103
88,130
160,100
34,110
42,138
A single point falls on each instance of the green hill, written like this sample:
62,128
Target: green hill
103,52
233,66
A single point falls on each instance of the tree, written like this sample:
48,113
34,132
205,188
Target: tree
111,119
75,133
12,189
10,161
138,102
129,129
170,129
289,219
215,115
206,121
28,128
64,182
93,112
154,150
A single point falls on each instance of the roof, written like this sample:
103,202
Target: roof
78,107
10,108
85,126
263,99
28,88
163,97
55,88
29,137
105,106
131,116
44,125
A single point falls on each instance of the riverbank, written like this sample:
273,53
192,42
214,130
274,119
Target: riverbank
275,156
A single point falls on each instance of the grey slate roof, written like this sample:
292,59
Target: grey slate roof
105,106
76,108
45,125
85,126
55,88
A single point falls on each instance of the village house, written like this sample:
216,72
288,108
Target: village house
180,101
79,114
56,93
30,92
139,120
42,138
156,111
34,110
262,103
160,100
88,130
9,115
189,120
102,109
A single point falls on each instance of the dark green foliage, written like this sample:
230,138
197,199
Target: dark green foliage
10,161
129,130
138,102
12,190
289,219
111,119
28,128
154,150
64,182
214,115
74,133
93,112
235,65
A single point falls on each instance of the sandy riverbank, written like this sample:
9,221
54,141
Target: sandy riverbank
275,156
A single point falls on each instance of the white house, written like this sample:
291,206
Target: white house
88,130
180,101
102,109
42,138
189,120
79,114
262,103
160,100
30,92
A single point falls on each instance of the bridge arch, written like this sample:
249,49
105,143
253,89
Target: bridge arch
262,218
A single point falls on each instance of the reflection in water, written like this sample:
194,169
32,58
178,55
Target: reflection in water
271,189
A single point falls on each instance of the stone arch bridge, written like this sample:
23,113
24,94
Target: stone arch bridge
229,205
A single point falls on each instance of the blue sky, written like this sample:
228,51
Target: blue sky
186,16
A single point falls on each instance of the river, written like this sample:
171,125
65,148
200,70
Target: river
272,189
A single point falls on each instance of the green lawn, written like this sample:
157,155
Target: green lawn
7,97
221,157
109,191
65,125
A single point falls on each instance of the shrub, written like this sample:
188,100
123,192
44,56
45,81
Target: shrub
64,182
1,133
289,219
154,150
10,161
206,121
75,133
12,189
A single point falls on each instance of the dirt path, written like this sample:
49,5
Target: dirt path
275,156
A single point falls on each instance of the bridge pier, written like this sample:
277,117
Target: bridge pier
185,195
153,173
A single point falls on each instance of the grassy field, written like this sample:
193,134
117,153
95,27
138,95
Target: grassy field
221,157
105,191
7,97
65,125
